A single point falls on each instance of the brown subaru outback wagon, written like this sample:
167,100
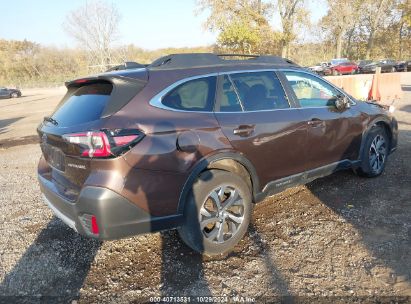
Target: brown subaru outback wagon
192,141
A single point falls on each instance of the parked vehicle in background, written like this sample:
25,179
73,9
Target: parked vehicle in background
192,141
403,66
364,62
337,61
344,68
321,68
386,65
317,68
9,93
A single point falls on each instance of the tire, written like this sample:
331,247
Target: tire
372,162
14,95
335,73
201,209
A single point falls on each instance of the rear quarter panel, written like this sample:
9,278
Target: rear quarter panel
174,142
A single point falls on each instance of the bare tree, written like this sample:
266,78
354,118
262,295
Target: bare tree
95,27
292,14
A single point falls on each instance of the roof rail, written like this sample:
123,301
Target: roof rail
175,61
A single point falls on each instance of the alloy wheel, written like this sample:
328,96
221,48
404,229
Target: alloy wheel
222,214
377,153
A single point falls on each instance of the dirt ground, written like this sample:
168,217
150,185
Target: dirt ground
337,239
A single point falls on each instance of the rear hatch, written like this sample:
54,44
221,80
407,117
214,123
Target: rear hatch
74,134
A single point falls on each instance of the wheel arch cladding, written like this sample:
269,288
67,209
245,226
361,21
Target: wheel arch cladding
382,123
227,161
387,129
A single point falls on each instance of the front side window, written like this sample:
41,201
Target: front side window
311,91
260,91
193,95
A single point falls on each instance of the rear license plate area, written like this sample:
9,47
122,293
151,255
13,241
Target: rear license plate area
54,156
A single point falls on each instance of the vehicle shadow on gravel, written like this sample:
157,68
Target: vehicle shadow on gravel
277,281
406,108
4,123
406,88
379,209
182,269
52,269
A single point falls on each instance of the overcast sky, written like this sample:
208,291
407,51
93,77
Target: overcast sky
149,24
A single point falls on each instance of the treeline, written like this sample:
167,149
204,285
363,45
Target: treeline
357,29
26,63
29,64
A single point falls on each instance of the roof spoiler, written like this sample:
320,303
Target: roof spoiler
127,66
125,87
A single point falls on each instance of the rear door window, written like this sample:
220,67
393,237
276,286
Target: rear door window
193,95
260,91
229,101
84,104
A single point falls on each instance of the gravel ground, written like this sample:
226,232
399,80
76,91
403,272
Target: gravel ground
337,239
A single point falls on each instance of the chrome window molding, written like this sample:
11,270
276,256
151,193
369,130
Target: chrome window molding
255,111
156,101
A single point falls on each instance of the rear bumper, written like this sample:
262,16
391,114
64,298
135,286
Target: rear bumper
116,216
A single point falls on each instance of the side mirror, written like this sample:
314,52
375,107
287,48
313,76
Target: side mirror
342,103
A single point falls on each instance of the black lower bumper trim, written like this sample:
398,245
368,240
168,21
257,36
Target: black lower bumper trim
116,216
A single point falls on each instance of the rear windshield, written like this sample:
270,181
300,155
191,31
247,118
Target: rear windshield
83,105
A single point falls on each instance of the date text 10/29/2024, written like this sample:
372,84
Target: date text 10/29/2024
202,299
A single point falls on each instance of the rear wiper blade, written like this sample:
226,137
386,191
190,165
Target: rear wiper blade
52,120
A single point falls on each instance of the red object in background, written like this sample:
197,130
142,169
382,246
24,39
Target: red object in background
345,68
374,93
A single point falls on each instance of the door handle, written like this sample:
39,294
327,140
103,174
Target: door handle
315,122
244,130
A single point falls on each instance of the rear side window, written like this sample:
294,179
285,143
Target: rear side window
193,95
83,105
260,91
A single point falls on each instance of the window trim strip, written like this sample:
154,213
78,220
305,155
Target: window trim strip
156,101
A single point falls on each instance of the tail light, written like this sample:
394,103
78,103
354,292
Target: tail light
104,144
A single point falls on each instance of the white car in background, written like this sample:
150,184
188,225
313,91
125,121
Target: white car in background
320,68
